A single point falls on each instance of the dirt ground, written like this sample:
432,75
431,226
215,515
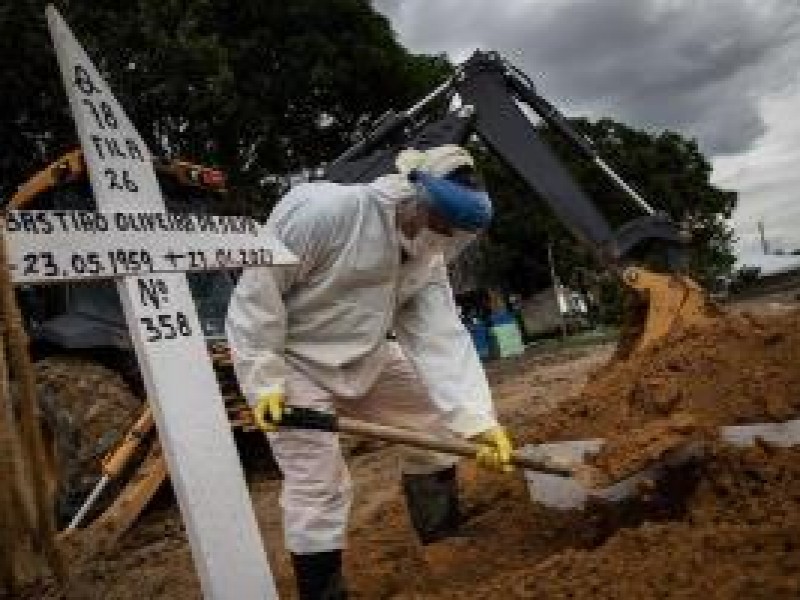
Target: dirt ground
726,525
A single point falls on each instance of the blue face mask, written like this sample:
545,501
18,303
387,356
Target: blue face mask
462,207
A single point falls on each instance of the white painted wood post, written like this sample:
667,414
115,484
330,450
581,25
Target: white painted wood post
192,424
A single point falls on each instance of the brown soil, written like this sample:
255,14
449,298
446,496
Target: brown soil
623,455
726,526
740,369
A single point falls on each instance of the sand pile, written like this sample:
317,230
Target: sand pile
741,369
726,526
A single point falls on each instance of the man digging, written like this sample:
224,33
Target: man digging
372,266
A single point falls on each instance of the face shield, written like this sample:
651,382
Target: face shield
457,209
458,201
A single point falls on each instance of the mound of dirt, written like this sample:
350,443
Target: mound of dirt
726,528
737,369
740,369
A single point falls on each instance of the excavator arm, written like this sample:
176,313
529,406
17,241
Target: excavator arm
494,102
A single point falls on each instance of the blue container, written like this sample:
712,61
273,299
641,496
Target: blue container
480,337
501,317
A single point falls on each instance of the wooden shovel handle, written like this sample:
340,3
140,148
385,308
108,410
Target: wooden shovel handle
451,446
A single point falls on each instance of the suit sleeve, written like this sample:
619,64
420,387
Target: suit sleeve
440,348
257,320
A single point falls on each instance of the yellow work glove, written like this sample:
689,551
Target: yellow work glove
269,410
495,449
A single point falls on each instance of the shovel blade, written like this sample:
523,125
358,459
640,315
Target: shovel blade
570,493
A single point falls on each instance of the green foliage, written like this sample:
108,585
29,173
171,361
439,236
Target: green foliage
34,122
666,169
260,89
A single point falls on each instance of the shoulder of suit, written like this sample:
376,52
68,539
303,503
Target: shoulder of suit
319,202
327,197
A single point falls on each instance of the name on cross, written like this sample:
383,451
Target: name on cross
54,221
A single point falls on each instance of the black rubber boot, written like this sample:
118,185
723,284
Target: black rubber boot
432,501
319,576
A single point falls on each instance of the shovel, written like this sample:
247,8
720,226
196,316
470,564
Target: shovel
558,474
293,417
307,418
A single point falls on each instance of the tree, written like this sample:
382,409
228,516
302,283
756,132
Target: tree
666,168
34,124
261,89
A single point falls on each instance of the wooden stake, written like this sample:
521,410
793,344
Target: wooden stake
8,481
30,429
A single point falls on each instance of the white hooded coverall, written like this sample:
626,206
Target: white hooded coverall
318,330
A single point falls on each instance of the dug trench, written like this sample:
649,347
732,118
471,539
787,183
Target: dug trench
724,526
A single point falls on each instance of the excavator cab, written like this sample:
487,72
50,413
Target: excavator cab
489,98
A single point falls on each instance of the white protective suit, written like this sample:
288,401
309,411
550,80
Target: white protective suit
319,330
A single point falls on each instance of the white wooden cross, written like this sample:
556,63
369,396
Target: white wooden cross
134,240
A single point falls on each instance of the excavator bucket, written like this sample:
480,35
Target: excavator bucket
658,303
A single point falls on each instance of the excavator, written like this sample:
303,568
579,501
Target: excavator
119,470
494,100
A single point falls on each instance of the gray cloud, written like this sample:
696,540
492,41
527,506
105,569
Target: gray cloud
722,71
697,67
768,176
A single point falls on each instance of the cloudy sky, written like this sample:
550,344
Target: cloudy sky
726,72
